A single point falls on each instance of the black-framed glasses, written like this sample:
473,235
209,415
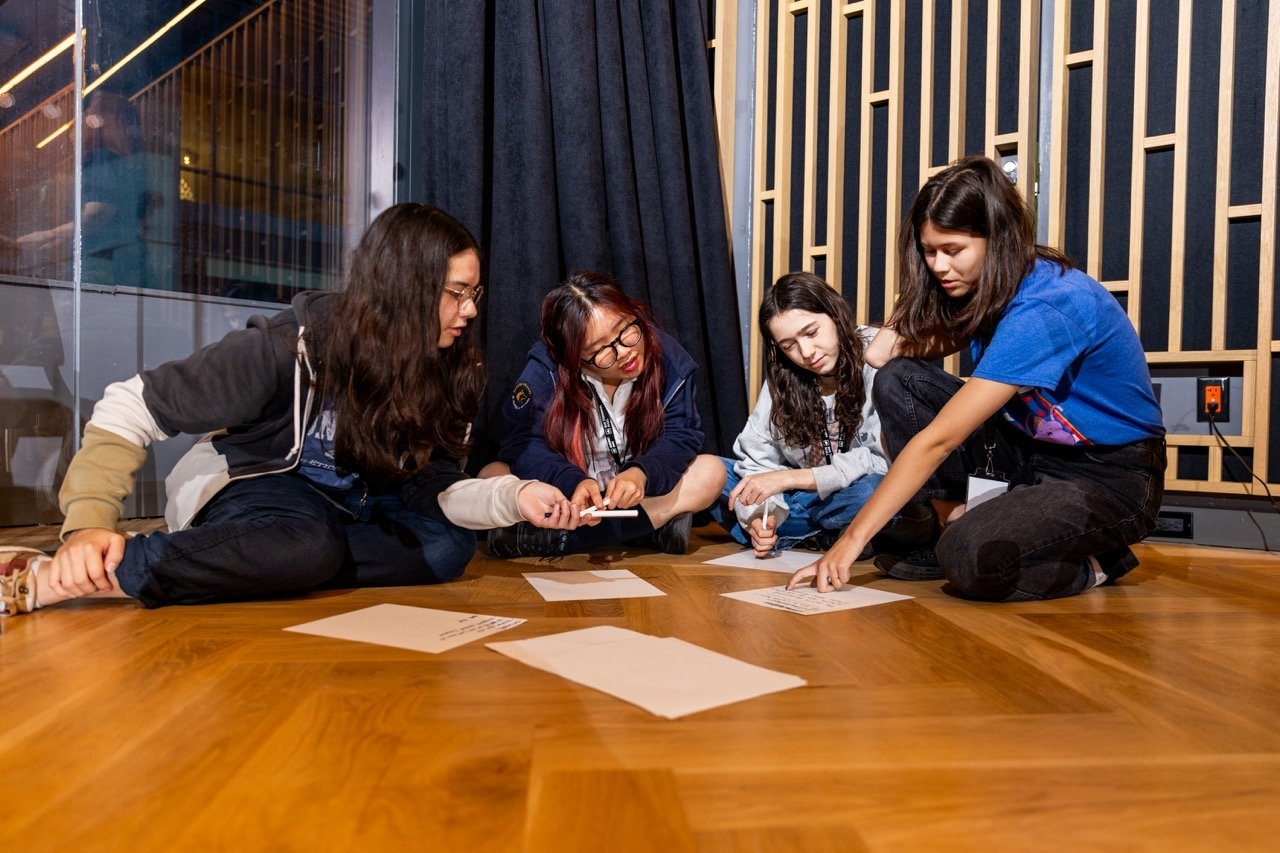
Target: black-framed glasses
471,294
607,355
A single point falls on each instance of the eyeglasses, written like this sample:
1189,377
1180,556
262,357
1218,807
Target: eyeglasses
607,355
471,294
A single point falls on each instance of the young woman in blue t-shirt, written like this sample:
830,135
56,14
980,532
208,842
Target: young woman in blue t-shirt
1060,404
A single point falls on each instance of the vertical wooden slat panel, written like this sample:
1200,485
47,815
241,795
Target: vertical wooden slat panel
928,36
1055,175
766,29
837,98
1098,137
1267,248
1222,193
1179,213
893,201
808,154
1137,183
869,13
959,62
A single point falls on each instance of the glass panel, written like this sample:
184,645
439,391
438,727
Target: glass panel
36,185
213,183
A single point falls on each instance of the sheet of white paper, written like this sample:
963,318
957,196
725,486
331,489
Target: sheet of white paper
808,601
785,562
418,628
591,584
664,675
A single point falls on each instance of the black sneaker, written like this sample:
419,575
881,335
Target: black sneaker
825,540
670,538
820,541
919,565
525,540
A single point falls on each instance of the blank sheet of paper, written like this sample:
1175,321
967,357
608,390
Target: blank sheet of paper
664,675
591,584
808,601
785,562
420,629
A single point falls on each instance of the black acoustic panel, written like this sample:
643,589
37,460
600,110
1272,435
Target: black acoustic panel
878,223
880,53
820,266
1007,89
766,262
910,138
1237,470
1247,101
975,98
1117,181
1157,241
799,141
1081,23
771,103
1244,238
852,217
942,106
1193,463
1272,474
822,133
1162,67
1201,182
1079,139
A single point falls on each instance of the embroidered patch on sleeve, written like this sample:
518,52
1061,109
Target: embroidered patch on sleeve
521,395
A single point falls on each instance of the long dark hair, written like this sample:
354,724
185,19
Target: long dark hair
971,195
797,398
571,417
397,396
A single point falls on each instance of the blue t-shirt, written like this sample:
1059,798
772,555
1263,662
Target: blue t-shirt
1076,360
317,463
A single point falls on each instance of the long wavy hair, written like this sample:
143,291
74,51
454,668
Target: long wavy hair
973,195
797,398
571,417
397,395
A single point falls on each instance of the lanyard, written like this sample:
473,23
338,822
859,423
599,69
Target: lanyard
841,438
607,423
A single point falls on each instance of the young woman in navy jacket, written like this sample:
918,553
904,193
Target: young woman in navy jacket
605,411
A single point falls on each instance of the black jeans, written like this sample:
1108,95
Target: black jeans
1065,503
279,535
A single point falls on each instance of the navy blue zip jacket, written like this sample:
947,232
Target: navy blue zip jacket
525,449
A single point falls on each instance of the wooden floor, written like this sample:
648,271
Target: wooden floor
1143,716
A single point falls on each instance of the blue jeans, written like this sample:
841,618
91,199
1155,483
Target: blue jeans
1065,504
810,515
281,535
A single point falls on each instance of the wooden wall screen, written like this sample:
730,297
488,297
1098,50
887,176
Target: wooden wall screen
1160,178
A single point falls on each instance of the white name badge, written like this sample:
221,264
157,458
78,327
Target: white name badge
983,489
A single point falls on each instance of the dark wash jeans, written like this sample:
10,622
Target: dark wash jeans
1065,503
279,535
809,514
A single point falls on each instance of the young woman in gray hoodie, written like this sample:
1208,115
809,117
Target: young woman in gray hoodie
809,456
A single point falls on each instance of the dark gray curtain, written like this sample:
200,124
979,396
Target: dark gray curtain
580,134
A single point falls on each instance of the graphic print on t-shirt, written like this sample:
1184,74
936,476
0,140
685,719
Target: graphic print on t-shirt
1035,415
317,463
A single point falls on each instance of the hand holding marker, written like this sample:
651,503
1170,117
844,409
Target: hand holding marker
773,552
